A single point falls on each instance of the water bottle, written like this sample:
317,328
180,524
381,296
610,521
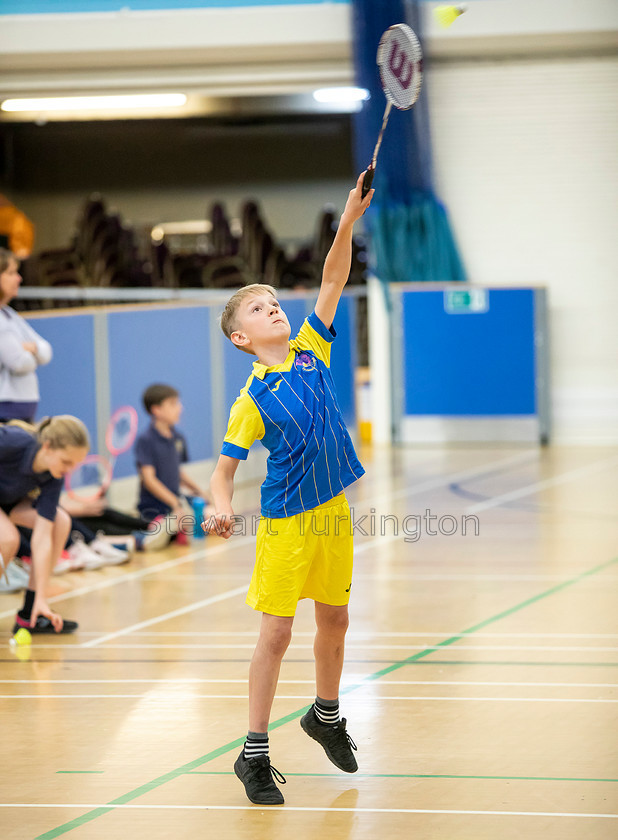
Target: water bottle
198,504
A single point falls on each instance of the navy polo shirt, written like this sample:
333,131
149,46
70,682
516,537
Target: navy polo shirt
17,478
166,455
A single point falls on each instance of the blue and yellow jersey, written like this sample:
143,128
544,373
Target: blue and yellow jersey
292,408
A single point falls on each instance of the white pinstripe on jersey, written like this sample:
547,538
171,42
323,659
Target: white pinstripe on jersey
292,408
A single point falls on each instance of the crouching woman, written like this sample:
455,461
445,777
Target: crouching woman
33,463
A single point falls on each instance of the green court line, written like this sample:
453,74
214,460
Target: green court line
453,639
416,776
204,759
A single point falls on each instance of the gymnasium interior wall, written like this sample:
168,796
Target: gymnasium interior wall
525,159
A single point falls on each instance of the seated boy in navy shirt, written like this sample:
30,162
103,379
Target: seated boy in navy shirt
159,453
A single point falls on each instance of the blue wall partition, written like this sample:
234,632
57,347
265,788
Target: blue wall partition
344,358
171,346
237,367
469,363
469,353
67,383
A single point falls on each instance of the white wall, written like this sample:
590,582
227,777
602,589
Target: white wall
526,160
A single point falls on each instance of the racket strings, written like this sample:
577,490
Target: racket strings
121,430
89,479
120,433
399,61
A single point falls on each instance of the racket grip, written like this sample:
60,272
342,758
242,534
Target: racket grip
368,180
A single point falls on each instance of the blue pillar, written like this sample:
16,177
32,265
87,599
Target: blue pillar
410,236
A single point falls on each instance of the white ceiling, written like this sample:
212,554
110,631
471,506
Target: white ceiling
279,54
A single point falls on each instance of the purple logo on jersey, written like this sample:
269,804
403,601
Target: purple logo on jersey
304,361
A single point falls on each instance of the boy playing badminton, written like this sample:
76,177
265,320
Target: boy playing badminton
304,540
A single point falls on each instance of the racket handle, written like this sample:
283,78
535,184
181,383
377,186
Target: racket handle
368,180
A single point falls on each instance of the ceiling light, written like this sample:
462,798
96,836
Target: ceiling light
97,103
341,95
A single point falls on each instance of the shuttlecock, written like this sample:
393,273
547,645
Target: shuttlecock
22,637
445,15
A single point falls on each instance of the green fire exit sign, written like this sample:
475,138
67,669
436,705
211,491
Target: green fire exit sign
466,301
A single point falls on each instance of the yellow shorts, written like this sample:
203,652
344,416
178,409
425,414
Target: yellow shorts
304,556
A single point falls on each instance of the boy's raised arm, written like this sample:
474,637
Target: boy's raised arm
339,259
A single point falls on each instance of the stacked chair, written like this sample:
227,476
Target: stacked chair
105,251
102,252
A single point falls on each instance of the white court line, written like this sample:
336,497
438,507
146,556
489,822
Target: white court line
126,577
434,484
463,475
287,808
205,576
102,640
438,482
223,596
412,576
191,607
380,635
306,698
348,684
472,682
530,489
239,541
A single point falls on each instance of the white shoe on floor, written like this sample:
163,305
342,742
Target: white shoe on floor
14,578
65,563
111,555
83,557
158,535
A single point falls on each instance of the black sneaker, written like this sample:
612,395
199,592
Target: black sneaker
337,743
43,625
256,774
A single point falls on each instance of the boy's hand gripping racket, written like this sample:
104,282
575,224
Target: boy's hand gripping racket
400,61
91,479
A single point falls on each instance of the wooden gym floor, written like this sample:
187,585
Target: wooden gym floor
480,682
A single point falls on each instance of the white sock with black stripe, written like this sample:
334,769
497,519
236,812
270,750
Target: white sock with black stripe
327,711
256,744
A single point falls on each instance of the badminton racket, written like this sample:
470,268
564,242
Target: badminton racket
121,430
90,480
400,62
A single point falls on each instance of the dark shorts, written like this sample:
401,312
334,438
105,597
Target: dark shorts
7,507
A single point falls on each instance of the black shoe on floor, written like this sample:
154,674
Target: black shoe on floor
256,774
337,743
43,625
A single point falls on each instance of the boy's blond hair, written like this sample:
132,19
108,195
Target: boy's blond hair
228,316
